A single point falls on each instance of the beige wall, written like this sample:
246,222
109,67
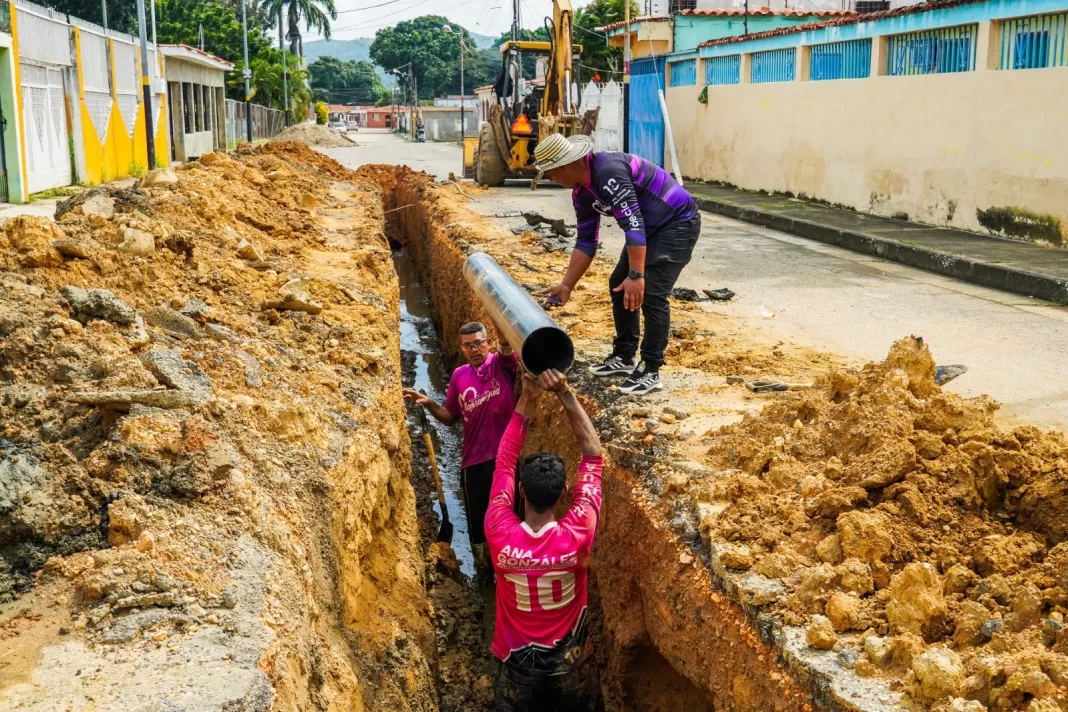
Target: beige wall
646,39
935,147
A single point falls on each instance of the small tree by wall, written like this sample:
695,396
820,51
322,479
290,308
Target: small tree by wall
322,113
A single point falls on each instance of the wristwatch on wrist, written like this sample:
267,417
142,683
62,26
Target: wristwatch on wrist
635,274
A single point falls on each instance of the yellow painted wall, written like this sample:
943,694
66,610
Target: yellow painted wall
113,156
936,147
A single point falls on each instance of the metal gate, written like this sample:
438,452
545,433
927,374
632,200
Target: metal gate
646,120
44,51
47,141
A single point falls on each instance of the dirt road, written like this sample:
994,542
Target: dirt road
828,298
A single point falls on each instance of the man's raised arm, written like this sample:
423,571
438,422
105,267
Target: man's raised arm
589,442
585,512
502,491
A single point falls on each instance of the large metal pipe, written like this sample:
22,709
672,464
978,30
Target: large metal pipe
541,343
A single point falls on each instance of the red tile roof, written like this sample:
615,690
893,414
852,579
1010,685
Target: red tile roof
633,20
199,52
732,12
850,19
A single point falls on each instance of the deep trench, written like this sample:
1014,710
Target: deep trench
633,677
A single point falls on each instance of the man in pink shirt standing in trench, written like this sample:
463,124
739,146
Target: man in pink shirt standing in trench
482,395
540,636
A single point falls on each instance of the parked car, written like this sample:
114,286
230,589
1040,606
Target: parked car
339,126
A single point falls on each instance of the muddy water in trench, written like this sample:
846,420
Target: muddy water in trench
420,337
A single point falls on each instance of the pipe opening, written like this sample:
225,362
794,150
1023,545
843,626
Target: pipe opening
546,348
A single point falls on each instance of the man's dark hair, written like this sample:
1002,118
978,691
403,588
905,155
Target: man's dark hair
544,480
472,327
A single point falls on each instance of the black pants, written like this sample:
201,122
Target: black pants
577,690
475,482
668,252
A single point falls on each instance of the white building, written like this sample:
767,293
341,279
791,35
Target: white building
470,101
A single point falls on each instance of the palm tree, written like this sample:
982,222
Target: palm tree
317,15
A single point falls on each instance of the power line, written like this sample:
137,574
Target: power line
599,70
368,7
388,14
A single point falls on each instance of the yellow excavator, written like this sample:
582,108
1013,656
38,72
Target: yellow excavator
525,109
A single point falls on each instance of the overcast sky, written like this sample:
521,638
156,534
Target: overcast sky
362,18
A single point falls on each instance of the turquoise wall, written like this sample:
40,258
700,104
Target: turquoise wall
692,30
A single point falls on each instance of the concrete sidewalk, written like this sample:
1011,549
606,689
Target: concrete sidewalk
1019,267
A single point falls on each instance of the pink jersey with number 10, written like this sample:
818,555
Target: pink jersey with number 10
541,577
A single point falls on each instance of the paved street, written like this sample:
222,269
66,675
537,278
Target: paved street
826,297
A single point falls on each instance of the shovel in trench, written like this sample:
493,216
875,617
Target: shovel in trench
445,532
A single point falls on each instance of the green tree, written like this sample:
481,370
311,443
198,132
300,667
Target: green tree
179,22
257,11
322,113
433,53
122,14
385,97
351,82
316,14
597,56
266,83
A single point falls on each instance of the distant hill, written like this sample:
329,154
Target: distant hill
360,48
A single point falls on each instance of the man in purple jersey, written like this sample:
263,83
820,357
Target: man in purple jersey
660,222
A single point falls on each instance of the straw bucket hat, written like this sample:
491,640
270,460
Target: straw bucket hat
557,150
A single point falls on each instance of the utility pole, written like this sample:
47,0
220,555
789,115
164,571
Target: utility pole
626,75
153,22
460,32
285,71
247,75
411,101
104,13
746,17
146,84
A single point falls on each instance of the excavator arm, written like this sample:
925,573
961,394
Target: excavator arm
557,100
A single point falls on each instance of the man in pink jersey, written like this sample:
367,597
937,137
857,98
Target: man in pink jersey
481,395
541,635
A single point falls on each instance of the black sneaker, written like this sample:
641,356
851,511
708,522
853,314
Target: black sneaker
641,382
614,366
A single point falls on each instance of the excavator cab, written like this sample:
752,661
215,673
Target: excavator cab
528,109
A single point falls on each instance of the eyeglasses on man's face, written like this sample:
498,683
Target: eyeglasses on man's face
473,345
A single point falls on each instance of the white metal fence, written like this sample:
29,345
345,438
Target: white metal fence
266,123
609,99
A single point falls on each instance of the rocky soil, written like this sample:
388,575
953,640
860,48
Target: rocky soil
907,530
316,135
204,493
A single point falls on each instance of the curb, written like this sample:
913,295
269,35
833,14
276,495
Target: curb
984,274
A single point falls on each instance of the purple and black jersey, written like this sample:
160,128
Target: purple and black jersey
641,196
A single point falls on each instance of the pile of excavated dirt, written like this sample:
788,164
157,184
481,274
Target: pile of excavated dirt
204,473
907,530
315,135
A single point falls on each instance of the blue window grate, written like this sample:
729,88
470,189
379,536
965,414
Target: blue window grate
1034,42
942,51
775,65
840,60
684,74
723,70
